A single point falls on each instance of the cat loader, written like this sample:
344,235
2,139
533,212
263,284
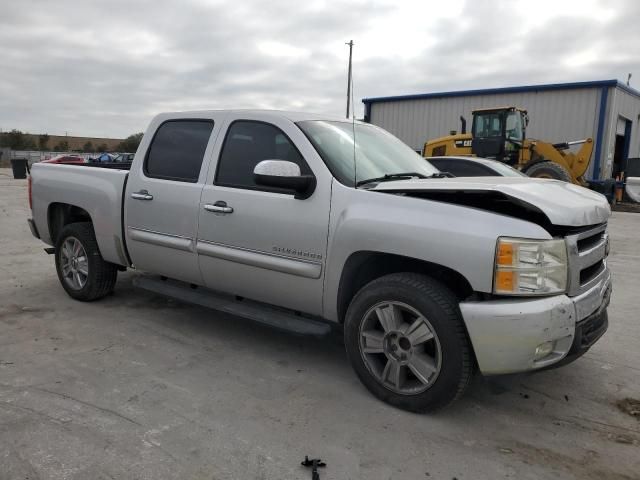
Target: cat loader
499,133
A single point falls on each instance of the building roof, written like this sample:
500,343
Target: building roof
518,89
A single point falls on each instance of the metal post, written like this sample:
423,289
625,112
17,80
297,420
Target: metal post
350,43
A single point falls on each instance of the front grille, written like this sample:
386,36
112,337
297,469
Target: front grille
587,258
589,273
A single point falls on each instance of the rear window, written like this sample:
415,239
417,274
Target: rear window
177,150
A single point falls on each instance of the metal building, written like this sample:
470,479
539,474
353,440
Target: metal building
606,110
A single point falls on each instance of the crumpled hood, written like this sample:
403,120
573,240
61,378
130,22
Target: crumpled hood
563,203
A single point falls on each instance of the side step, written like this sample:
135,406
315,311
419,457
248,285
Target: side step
258,312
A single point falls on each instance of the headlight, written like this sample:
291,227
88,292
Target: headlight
530,267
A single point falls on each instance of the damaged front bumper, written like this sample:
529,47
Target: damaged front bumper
523,334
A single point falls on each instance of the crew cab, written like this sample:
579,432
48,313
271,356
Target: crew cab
301,221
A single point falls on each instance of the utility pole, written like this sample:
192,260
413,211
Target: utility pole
350,43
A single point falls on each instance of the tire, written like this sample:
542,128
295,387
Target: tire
548,169
435,371
88,279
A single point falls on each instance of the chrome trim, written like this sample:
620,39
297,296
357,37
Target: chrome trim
254,258
217,208
589,301
579,260
142,195
161,239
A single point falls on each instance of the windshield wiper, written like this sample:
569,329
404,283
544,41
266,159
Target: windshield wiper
400,176
391,176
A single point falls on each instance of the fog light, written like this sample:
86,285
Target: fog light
544,349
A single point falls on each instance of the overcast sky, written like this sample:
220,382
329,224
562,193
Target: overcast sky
105,68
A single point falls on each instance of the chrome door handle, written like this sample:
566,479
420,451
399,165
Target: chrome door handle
218,207
142,195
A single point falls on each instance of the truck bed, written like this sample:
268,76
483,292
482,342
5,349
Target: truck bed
98,191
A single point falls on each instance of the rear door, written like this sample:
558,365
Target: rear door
163,195
266,245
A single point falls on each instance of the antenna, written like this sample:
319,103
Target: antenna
350,104
349,81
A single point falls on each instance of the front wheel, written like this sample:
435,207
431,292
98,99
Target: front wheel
406,341
81,269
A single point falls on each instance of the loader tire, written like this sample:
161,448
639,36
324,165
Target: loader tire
548,169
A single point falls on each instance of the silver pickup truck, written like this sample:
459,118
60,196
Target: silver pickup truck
302,221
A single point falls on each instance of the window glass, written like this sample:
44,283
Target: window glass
487,125
461,168
177,150
366,150
248,143
514,126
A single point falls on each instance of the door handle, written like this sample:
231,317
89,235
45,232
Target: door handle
218,207
142,195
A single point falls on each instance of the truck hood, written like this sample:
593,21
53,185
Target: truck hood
562,203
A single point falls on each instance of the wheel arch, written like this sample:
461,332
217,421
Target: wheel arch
364,266
61,214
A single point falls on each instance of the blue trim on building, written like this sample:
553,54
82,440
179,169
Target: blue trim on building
502,90
628,125
602,116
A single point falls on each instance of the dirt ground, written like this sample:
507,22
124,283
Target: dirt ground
137,386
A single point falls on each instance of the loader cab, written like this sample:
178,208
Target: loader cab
499,133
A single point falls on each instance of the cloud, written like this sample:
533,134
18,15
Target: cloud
105,68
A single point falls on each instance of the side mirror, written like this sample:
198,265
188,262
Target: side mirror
285,175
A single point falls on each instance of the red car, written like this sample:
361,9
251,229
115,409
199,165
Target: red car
65,159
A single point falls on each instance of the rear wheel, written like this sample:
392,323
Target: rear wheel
548,169
81,269
407,343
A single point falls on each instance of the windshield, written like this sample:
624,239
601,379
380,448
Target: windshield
377,152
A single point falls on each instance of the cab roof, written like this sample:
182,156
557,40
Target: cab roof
265,114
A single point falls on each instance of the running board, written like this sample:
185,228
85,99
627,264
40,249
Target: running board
256,311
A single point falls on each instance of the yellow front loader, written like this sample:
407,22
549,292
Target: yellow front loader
499,133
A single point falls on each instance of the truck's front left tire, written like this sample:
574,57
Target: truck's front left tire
81,269
406,341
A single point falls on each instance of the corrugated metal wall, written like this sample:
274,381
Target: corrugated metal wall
555,116
626,106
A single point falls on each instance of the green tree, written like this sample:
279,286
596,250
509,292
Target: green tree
29,143
62,146
15,139
43,142
88,147
130,144
102,147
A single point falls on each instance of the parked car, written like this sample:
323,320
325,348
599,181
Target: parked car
123,158
71,159
103,157
460,166
300,221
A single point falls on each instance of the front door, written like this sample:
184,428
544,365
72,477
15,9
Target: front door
258,242
162,199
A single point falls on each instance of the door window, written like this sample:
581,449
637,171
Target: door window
249,142
177,150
